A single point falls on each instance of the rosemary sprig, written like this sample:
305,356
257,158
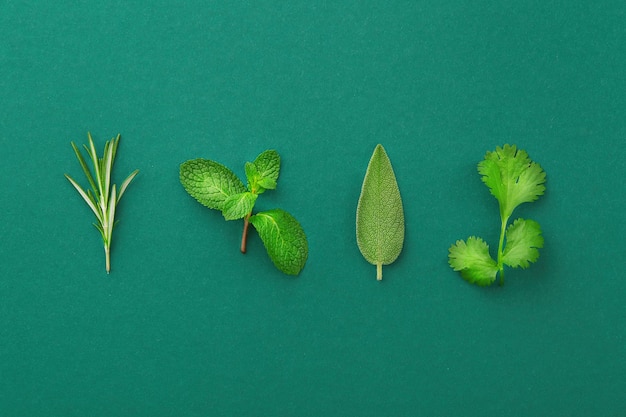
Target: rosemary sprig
102,197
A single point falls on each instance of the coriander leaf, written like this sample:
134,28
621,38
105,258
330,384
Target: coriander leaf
523,238
283,238
209,182
472,259
379,215
237,206
512,178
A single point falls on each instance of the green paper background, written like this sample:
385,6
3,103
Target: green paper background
187,326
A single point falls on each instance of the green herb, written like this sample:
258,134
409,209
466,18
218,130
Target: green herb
379,214
102,198
217,187
513,179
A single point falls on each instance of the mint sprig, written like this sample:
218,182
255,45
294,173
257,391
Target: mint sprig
217,187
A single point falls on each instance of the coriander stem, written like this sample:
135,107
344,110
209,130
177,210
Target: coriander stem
500,253
244,235
379,271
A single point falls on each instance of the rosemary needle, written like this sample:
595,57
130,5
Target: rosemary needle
102,198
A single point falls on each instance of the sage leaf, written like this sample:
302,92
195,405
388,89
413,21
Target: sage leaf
209,182
379,214
284,239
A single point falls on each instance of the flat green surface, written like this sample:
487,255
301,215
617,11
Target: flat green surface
187,326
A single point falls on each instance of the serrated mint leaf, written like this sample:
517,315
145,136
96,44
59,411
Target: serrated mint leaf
209,182
268,166
262,174
523,238
267,183
379,215
472,259
283,238
238,206
252,175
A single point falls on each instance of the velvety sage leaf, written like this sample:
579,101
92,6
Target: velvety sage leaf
238,206
283,238
209,182
379,215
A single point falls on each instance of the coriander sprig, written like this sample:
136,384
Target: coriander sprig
102,198
513,179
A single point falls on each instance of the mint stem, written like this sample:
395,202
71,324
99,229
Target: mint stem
244,235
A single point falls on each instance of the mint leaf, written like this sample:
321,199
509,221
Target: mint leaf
267,183
472,259
283,238
209,182
252,175
237,206
523,239
262,174
379,215
268,165
512,178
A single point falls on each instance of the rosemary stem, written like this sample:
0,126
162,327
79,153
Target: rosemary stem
107,255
